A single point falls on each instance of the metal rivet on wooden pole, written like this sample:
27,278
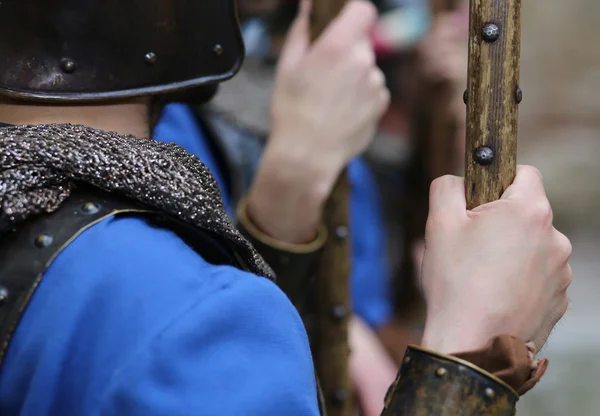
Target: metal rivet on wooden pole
492,108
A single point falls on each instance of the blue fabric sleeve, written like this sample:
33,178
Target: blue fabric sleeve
241,360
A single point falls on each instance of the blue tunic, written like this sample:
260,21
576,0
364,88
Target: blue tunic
128,320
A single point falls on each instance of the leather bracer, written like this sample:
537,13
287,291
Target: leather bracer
294,264
433,384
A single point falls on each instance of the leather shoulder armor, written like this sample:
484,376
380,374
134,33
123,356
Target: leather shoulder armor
27,252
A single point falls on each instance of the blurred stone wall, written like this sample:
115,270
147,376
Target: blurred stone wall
560,113
559,133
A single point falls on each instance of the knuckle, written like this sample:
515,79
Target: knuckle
567,278
364,62
363,55
440,182
365,9
386,99
564,247
539,212
531,171
378,80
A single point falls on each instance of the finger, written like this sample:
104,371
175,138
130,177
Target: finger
354,22
461,20
366,52
446,28
449,34
566,278
528,184
377,79
447,195
298,37
563,247
385,99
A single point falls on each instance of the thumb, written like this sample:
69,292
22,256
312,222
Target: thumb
298,37
528,184
447,196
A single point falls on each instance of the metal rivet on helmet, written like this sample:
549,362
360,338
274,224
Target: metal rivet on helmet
67,65
150,58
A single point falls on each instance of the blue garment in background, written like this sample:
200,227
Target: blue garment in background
371,270
370,267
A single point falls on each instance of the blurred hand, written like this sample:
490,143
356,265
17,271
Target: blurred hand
371,369
329,96
444,51
328,99
501,268
444,58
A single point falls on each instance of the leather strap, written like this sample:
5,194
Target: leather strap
28,251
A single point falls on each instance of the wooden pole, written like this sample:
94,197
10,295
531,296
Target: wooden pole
333,275
492,96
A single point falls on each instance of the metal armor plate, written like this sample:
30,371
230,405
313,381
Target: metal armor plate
87,50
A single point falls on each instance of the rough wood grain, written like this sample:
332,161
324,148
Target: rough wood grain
492,108
333,276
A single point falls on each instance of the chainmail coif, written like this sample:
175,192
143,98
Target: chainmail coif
41,165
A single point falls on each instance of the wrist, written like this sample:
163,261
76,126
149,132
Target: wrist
287,197
454,336
307,151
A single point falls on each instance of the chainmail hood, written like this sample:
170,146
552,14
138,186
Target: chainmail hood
41,165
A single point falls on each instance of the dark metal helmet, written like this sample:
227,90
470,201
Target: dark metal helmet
89,50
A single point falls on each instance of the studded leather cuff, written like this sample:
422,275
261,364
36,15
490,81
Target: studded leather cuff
294,264
430,383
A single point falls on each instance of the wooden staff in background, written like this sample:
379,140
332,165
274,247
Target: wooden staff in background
333,275
442,129
492,97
